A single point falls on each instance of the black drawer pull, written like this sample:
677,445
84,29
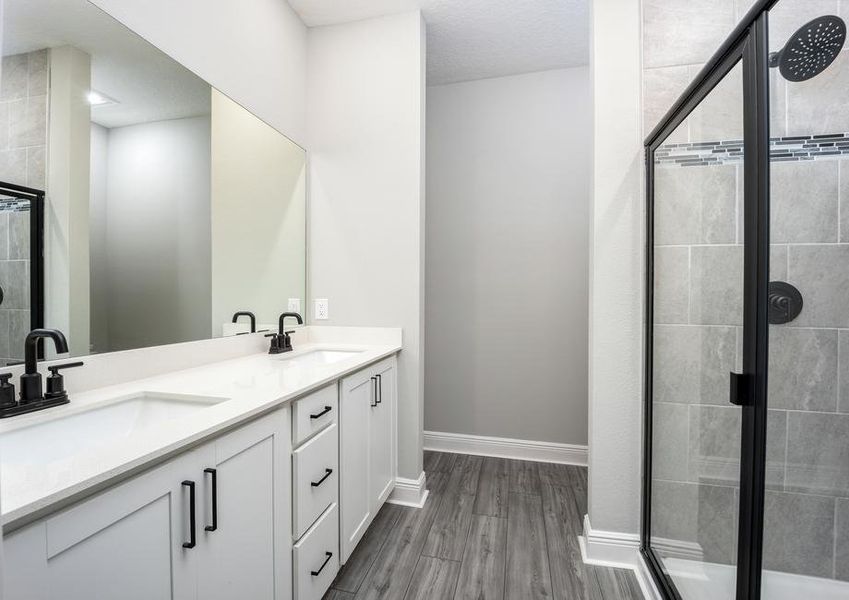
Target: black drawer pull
214,525
327,473
326,410
191,542
324,564
380,389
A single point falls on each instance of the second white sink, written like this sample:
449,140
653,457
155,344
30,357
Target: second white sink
317,358
61,438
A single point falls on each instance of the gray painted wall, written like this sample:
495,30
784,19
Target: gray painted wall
157,234
507,254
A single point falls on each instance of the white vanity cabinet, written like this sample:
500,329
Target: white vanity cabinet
134,540
367,449
267,510
123,543
315,492
244,542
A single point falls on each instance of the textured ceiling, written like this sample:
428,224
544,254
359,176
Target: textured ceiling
475,39
148,84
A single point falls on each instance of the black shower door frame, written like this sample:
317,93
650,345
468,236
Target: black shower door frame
36,242
747,45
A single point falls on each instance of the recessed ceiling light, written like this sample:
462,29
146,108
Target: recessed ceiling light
98,99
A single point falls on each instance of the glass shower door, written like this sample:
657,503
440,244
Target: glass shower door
695,330
806,503
21,268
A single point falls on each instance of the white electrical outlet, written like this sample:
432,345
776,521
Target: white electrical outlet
322,310
294,305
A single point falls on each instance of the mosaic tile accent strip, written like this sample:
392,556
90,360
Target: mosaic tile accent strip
8,204
792,148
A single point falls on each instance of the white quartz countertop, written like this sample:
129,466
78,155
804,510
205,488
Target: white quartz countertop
247,386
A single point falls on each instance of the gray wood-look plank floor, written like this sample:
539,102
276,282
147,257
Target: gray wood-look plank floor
492,529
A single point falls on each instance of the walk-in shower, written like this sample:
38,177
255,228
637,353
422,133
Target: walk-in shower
21,267
746,464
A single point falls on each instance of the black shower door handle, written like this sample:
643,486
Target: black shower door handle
192,532
740,393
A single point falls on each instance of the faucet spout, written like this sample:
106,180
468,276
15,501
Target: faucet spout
31,344
250,315
31,379
283,317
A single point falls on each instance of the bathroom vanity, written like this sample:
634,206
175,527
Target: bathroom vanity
251,477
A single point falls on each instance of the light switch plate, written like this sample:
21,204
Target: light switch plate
294,305
322,310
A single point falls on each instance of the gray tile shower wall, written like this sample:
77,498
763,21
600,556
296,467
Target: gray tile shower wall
24,85
697,299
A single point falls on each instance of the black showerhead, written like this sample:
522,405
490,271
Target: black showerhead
810,50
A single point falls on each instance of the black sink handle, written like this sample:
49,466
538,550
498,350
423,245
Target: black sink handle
56,368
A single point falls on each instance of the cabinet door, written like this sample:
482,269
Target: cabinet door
246,543
381,455
124,543
358,392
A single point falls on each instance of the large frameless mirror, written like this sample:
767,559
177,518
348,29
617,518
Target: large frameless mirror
139,206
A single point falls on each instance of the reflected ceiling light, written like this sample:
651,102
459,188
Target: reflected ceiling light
97,99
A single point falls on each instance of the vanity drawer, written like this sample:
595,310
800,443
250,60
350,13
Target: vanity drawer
316,557
314,413
315,478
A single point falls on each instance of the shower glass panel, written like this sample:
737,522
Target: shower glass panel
20,304
806,518
696,330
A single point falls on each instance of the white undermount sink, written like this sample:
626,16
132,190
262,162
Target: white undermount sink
316,358
63,437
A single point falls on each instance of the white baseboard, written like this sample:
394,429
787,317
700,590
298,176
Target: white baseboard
479,445
410,492
617,550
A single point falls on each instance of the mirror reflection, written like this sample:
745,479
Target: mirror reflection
139,206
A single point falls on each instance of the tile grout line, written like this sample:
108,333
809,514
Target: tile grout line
834,543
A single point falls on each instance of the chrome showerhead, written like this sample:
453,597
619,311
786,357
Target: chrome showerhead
811,49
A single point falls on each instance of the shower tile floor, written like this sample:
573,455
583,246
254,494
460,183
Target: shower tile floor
492,528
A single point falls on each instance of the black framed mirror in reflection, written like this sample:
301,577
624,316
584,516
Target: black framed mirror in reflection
168,207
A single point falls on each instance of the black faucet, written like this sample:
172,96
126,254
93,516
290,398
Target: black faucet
250,315
280,341
32,398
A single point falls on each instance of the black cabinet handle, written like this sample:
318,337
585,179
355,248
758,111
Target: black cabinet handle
374,391
327,473
214,525
192,539
326,410
379,389
324,564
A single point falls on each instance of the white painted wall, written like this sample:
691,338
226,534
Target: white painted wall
98,258
66,221
258,214
365,115
252,50
158,233
507,252
616,269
